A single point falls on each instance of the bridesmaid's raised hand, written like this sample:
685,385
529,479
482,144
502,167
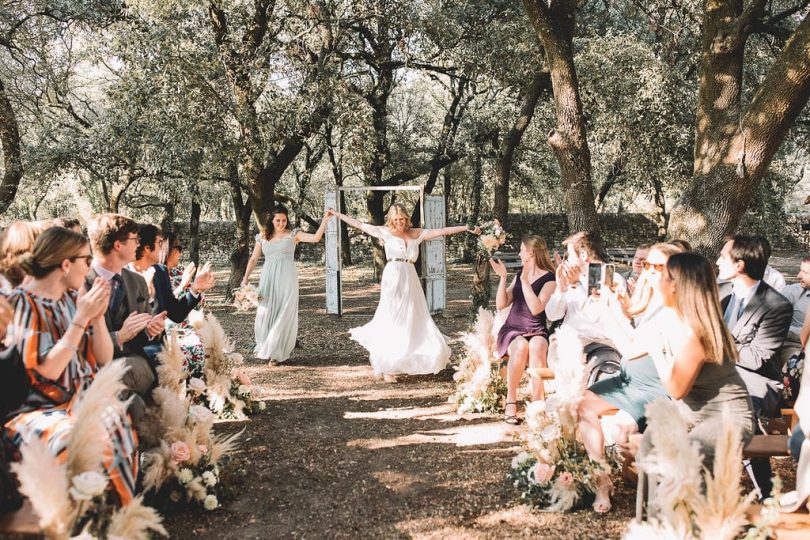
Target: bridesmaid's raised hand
498,267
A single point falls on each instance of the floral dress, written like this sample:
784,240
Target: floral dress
47,412
189,339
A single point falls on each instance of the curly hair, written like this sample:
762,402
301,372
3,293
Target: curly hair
106,229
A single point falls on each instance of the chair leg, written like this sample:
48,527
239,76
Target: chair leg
641,492
750,470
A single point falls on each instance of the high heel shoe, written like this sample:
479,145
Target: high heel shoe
511,419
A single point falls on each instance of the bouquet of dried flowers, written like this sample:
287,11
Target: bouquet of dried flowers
492,237
479,385
246,298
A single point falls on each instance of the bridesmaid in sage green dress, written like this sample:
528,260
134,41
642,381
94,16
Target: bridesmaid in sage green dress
276,324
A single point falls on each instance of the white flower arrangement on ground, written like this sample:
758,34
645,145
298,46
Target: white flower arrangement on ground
72,498
681,508
492,237
479,385
175,470
246,298
554,472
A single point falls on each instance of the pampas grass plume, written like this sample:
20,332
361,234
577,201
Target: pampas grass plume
171,373
45,482
221,446
89,440
134,522
159,467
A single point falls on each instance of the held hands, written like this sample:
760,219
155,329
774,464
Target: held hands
92,305
156,324
498,267
188,275
204,280
133,325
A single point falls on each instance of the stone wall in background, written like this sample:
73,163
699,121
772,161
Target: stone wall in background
619,230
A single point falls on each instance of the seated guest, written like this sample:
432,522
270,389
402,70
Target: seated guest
580,309
772,276
631,276
18,238
524,335
68,223
758,318
638,383
681,243
63,340
180,281
131,323
14,381
798,294
147,259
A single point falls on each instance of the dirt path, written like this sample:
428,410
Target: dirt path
338,454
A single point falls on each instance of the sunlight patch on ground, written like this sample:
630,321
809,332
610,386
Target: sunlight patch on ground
440,528
517,516
396,481
445,412
492,433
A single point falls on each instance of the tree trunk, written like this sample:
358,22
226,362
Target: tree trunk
447,178
470,240
506,153
555,27
732,153
12,153
167,223
194,232
241,251
481,287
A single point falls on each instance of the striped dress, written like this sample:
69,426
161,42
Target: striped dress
37,326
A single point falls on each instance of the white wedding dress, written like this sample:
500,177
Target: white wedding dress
402,338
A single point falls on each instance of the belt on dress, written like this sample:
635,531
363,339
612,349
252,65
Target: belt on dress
402,260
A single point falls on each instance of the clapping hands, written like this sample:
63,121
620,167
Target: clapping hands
204,280
92,304
498,267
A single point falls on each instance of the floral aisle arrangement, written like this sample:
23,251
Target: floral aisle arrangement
492,237
246,298
479,384
681,509
74,497
226,389
554,471
183,467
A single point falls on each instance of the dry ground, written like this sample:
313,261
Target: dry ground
338,454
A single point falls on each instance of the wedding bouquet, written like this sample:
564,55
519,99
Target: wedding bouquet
194,481
246,298
492,237
480,387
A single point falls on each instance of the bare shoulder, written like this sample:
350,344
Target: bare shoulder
413,234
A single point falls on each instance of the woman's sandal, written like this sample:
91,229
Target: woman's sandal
511,419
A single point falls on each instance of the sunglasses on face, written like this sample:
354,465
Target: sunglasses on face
657,266
87,258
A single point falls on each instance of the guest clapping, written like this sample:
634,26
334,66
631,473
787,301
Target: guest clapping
524,335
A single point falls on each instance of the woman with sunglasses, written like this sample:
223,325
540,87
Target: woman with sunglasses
638,382
63,340
180,280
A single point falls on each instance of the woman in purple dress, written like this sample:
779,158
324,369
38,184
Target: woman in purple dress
524,336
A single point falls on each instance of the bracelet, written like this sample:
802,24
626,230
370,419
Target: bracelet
74,323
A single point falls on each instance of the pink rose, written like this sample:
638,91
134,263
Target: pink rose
541,473
180,452
566,478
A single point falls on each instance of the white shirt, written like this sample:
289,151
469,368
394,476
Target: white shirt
103,272
740,296
799,298
774,278
580,309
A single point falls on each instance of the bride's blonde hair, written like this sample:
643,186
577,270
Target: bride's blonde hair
395,210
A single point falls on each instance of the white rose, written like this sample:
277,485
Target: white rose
87,485
243,390
209,479
197,385
520,459
262,405
185,475
211,502
200,414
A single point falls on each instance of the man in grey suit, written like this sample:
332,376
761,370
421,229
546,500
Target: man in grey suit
758,318
114,239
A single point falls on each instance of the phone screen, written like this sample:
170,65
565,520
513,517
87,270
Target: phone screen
610,270
594,277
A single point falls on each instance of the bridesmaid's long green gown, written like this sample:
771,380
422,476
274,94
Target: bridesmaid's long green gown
277,315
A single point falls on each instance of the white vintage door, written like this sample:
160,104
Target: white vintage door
433,255
332,257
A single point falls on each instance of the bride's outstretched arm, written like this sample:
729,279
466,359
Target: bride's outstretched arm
301,236
356,223
449,231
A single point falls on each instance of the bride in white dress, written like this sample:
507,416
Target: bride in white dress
402,337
